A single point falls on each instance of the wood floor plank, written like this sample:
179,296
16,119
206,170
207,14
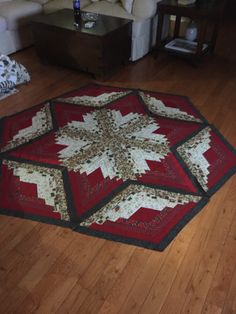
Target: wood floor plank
143,283
182,285
230,302
75,260
222,279
209,255
166,276
19,272
13,233
78,255
226,265
107,279
48,295
74,300
125,281
149,275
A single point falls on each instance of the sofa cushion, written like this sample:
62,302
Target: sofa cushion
55,5
3,24
18,13
42,2
144,9
112,9
127,5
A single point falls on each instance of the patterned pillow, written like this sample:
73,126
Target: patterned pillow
128,5
12,73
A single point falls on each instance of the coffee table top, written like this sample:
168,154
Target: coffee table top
65,19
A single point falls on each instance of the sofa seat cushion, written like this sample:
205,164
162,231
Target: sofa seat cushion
19,13
3,24
108,8
144,9
55,5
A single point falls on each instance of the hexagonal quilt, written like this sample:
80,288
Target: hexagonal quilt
127,165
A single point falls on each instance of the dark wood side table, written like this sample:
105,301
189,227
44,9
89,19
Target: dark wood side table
205,13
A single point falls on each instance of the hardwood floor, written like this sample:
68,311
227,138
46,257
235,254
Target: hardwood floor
48,269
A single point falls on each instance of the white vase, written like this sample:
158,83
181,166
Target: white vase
191,31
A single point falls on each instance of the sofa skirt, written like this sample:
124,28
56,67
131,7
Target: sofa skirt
12,41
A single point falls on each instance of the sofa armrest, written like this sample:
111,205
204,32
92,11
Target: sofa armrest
144,8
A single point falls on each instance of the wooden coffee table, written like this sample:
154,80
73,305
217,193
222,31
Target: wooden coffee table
97,50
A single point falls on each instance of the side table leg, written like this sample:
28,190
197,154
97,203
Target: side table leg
159,33
177,26
214,36
201,37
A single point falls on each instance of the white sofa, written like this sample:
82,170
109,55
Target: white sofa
15,32
15,15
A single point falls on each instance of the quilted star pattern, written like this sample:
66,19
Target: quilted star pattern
117,145
126,165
